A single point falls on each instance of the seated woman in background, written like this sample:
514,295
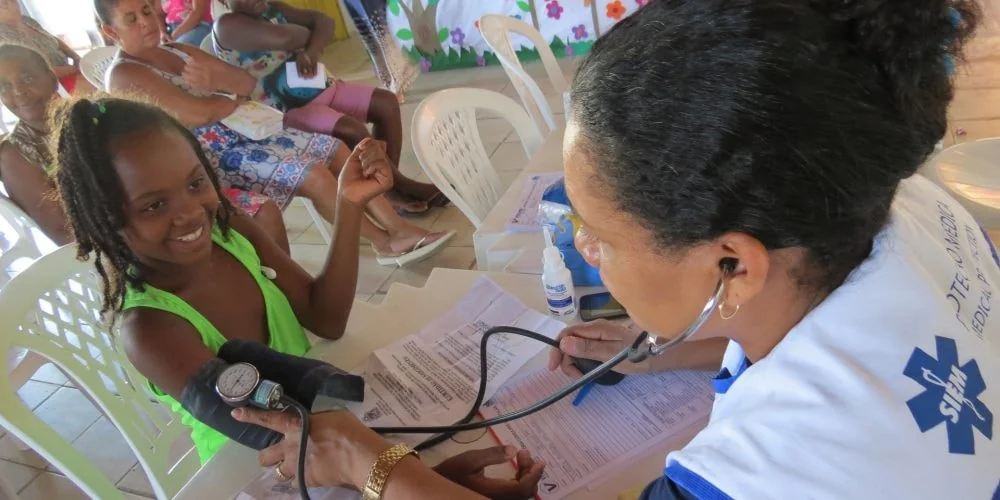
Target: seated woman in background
28,88
262,37
188,21
15,27
187,82
169,246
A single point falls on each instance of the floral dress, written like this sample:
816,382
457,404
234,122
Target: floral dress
274,167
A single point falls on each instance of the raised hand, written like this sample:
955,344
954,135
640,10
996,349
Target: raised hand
366,174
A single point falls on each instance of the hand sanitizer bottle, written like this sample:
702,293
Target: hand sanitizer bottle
558,282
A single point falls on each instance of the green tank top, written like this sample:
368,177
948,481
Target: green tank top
285,331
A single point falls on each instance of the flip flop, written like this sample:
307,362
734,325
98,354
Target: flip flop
420,251
405,207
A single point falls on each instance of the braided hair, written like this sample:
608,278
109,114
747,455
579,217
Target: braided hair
91,193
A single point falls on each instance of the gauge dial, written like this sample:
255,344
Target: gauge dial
237,382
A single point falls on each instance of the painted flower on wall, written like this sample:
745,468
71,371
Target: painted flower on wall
458,36
480,60
580,32
425,64
616,10
554,9
569,51
641,3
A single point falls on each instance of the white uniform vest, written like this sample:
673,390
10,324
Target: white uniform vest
885,390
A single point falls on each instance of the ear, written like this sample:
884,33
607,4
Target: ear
110,33
752,269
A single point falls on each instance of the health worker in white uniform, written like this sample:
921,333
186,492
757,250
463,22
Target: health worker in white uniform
772,145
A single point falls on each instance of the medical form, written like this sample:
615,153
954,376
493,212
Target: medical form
432,376
584,445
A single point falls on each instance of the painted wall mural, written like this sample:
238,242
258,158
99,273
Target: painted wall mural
444,34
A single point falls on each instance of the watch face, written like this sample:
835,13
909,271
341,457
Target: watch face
238,381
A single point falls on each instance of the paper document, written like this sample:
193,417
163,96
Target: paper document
267,487
431,377
525,218
582,445
296,81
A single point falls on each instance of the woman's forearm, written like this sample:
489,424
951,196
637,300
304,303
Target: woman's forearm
238,81
412,480
333,291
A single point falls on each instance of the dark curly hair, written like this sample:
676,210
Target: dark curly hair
789,120
91,193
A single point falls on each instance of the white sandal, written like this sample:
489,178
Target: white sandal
417,253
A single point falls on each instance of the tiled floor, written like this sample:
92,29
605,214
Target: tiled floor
975,114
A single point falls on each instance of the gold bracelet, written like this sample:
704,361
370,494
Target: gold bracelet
379,473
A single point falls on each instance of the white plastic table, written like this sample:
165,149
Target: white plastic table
500,250
371,327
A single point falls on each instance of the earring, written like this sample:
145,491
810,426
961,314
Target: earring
724,316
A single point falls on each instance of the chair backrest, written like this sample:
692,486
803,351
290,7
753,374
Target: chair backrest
208,45
52,308
94,65
447,144
24,247
496,30
968,172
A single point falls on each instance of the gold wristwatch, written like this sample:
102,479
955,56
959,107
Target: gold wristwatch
379,473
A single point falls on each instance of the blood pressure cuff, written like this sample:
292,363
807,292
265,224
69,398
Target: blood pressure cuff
203,403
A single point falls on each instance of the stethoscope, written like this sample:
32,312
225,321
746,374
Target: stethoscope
643,347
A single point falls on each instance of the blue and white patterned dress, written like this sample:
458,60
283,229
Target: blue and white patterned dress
275,166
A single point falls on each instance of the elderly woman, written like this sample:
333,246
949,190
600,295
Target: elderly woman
15,27
767,149
188,83
28,89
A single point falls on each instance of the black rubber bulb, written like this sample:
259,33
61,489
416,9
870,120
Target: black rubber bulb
587,365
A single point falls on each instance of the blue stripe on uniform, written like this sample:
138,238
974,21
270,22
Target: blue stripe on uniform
693,483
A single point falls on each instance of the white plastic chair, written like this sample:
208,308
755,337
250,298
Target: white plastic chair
447,144
208,46
94,65
496,30
52,308
971,173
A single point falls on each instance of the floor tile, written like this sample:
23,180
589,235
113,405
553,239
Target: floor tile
49,373
454,219
135,481
975,104
33,393
376,298
105,448
10,452
509,156
416,274
371,275
493,132
362,297
68,412
16,475
311,236
48,486
296,218
973,130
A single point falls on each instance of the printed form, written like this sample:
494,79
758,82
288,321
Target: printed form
583,445
525,218
431,378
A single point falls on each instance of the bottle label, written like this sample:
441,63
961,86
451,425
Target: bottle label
556,289
560,303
